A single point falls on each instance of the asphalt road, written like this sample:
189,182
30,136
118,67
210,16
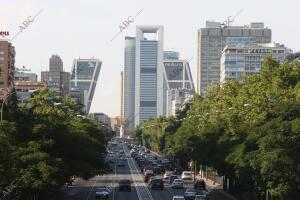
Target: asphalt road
85,190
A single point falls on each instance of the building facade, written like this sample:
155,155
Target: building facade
129,82
239,60
102,118
212,40
26,83
56,79
84,77
7,68
171,55
178,83
148,73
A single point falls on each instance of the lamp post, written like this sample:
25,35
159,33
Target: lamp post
2,105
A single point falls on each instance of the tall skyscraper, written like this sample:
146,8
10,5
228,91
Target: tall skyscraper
212,40
148,73
7,67
129,83
84,78
56,79
178,83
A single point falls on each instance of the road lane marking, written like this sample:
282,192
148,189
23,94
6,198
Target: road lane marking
142,190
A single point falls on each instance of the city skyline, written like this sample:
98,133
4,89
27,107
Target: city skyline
56,30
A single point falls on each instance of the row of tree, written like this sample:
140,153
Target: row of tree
43,145
247,131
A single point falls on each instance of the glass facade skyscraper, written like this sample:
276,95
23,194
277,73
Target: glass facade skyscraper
84,78
148,73
129,83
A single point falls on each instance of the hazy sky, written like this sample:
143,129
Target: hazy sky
84,28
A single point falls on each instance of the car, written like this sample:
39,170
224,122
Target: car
121,163
148,174
167,174
200,184
178,198
187,175
177,183
190,194
156,183
125,184
102,193
172,178
201,197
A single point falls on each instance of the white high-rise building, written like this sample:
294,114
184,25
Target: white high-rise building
239,60
148,73
84,78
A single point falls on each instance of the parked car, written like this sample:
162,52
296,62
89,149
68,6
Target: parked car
200,184
156,183
190,194
177,183
102,193
167,174
178,198
187,175
125,185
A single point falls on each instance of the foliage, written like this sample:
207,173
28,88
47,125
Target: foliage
245,130
43,145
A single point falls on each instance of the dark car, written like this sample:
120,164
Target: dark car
157,183
200,184
125,185
157,170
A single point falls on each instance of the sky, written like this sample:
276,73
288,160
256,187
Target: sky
84,29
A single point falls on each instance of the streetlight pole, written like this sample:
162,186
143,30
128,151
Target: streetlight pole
2,105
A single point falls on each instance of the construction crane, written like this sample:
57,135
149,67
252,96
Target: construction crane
230,19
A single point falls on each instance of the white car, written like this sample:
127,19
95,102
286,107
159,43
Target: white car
149,172
177,183
178,197
190,194
167,174
187,175
200,197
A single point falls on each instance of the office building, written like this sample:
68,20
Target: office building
56,79
116,124
7,68
178,83
239,60
26,83
102,118
212,40
23,74
25,89
84,78
171,55
293,56
148,73
129,82
181,99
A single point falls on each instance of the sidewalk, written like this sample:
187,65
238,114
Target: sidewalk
216,186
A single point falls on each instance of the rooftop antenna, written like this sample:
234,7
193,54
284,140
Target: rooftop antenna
230,19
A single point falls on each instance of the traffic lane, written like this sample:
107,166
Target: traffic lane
124,173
